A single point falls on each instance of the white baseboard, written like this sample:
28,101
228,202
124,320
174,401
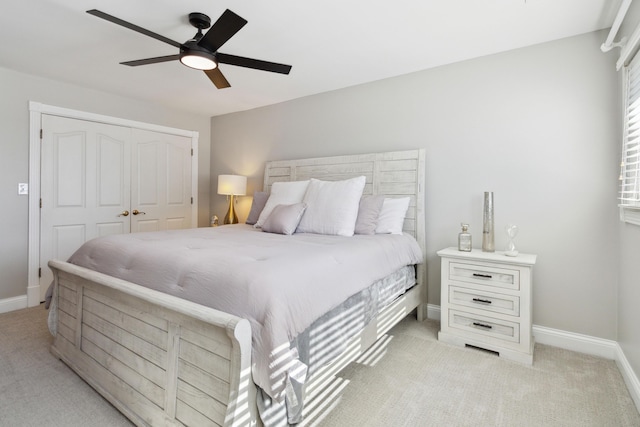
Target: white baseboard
433,312
33,295
575,342
630,377
11,304
586,344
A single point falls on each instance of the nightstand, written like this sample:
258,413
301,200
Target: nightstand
486,302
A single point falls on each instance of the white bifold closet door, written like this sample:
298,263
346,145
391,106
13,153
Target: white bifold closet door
99,179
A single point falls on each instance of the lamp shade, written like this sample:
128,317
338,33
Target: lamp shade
232,185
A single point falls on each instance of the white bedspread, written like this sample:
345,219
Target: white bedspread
281,284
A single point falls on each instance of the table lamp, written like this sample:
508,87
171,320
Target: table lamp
232,185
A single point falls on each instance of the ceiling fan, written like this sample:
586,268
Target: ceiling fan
201,51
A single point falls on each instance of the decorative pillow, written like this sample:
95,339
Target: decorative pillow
284,219
332,206
368,213
282,193
259,200
391,218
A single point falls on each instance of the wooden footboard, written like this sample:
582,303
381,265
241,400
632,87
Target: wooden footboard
159,359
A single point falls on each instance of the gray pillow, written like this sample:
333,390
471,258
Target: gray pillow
284,219
368,212
259,200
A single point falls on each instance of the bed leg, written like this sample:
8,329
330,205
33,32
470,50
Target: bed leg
421,276
421,312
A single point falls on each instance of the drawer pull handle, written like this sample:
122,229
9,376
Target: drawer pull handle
484,276
483,301
482,325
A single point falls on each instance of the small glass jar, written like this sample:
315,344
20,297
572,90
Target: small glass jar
464,239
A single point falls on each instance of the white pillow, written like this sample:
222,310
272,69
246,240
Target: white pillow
391,218
332,206
282,193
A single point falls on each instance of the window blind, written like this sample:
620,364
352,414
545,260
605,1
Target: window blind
629,194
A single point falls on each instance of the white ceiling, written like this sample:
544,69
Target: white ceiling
330,43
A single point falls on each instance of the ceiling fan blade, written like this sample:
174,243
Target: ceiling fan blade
151,60
222,30
256,64
217,78
131,26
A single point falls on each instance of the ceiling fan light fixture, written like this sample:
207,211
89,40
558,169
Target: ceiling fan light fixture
198,59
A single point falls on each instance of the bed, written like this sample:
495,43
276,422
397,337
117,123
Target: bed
162,359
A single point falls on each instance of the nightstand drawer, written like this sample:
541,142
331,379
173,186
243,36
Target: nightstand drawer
482,275
496,328
489,301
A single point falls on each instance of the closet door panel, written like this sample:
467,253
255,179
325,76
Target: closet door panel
113,172
69,169
178,174
85,175
147,174
161,181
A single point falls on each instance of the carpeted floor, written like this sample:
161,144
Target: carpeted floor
410,379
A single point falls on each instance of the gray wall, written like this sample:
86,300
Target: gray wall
538,126
629,287
629,295
16,91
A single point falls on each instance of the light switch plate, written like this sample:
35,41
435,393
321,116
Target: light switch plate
23,188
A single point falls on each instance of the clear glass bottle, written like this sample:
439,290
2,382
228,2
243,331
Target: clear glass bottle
464,239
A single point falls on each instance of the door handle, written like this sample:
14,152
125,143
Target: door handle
124,213
137,212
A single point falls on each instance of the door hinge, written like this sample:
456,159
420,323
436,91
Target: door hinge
40,203
192,152
40,272
192,200
40,133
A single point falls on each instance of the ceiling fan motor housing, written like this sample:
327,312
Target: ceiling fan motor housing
199,20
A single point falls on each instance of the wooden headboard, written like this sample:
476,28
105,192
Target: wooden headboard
392,174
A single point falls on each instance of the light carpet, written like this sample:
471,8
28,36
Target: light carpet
409,379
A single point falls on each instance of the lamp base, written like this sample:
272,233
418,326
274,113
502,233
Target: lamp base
231,217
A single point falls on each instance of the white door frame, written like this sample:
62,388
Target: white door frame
36,110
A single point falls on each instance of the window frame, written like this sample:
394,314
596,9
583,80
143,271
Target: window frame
630,147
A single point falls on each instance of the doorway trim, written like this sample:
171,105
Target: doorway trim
36,110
